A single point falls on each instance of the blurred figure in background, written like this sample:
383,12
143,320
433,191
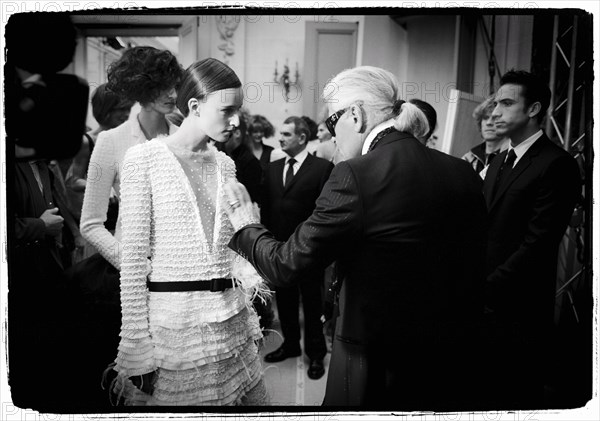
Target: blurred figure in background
311,145
247,167
326,146
481,155
110,111
260,128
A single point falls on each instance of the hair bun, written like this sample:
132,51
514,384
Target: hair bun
397,105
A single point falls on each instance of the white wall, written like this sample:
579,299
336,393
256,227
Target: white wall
430,71
385,45
277,38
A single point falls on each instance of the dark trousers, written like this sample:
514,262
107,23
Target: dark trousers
288,308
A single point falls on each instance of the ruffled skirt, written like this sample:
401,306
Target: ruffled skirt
212,363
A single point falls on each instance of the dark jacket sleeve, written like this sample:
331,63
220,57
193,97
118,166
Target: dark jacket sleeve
554,203
251,174
29,229
335,222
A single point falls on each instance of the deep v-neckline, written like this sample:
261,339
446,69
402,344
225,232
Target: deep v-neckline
187,186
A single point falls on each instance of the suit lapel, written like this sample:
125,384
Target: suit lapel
277,168
521,166
301,171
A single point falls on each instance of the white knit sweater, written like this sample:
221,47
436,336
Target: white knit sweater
160,216
104,174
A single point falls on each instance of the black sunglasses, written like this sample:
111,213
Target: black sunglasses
333,119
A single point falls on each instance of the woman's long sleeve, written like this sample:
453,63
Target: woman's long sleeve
102,173
136,352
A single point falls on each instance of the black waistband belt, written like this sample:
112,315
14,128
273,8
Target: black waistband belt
213,285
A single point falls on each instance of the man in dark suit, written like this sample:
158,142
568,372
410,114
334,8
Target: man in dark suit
406,225
292,185
530,191
36,262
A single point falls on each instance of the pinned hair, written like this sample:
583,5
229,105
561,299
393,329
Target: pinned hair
203,78
417,118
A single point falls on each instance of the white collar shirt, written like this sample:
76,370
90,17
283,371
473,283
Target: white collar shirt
524,146
300,158
376,130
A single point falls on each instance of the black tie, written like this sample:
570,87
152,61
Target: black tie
290,172
505,169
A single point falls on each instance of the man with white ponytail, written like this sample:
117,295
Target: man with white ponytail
405,224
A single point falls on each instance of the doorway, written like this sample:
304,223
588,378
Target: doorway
329,49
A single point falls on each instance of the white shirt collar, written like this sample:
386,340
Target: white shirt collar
299,158
371,137
524,146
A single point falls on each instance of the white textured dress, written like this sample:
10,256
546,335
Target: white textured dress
201,344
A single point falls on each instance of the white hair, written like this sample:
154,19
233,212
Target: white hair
375,88
377,91
412,120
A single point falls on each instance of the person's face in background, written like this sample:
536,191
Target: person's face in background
291,142
257,133
233,142
219,113
488,128
165,103
117,117
322,133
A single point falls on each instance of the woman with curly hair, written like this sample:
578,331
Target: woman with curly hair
148,76
188,332
259,128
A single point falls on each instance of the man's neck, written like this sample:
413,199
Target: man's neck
518,137
294,154
492,146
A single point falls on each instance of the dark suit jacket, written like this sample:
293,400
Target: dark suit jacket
528,217
287,207
406,225
248,171
35,262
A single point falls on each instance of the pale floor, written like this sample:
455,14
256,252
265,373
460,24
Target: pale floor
287,381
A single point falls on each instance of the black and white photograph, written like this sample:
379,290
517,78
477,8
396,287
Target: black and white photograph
322,210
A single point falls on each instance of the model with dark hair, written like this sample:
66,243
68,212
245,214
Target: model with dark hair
148,76
189,331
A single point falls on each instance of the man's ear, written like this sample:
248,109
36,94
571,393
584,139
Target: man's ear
357,113
534,109
302,138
